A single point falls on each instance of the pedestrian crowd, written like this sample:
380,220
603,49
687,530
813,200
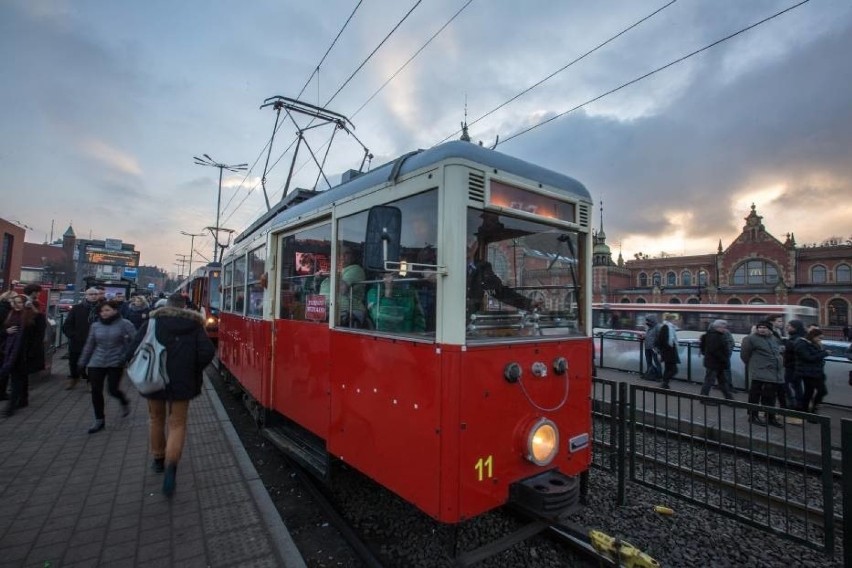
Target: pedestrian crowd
785,365
103,336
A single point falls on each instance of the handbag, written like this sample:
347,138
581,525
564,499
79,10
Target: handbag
147,368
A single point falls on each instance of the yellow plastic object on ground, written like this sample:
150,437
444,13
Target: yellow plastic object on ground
621,552
663,510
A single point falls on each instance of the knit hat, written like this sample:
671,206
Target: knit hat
765,323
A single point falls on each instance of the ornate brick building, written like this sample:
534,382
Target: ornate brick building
756,268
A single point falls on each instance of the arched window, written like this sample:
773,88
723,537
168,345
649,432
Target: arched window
674,301
641,301
671,279
734,301
838,312
625,300
818,275
692,301
657,279
810,303
755,272
843,274
757,301
643,280
702,277
685,278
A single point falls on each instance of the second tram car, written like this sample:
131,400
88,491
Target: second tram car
428,323
202,289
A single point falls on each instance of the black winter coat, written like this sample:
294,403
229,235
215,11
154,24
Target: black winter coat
28,356
77,324
188,351
810,359
716,352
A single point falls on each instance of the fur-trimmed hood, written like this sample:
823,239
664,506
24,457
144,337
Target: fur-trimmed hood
166,312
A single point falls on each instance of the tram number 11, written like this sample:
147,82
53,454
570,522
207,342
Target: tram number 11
484,468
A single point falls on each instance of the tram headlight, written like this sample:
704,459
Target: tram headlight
212,321
542,442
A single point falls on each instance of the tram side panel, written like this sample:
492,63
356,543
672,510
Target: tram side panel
245,351
385,414
496,415
300,389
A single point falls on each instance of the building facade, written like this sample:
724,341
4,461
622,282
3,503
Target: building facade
11,253
756,268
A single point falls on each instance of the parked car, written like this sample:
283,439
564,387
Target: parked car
65,305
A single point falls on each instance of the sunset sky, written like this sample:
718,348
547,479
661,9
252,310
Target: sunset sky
104,104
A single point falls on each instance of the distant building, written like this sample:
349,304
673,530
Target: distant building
11,252
756,268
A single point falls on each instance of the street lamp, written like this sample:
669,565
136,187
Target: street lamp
191,245
208,161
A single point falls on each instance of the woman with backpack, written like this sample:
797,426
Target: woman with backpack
188,351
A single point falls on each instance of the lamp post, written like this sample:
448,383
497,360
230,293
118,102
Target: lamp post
191,245
208,161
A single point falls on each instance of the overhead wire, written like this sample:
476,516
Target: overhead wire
272,137
342,86
563,68
655,71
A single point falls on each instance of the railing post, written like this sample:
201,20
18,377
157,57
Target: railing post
846,476
828,488
621,498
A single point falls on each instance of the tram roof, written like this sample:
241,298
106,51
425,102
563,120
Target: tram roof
421,159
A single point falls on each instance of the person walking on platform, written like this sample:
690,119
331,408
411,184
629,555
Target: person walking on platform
5,310
667,346
761,352
717,359
22,349
188,351
653,370
76,329
810,369
104,355
792,382
137,311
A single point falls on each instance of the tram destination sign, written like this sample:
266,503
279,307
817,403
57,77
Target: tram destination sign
510,197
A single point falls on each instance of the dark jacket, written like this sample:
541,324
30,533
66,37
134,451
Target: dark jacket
188,351
717,354
810,359
77,324
137,316
23,353
666,346
790,343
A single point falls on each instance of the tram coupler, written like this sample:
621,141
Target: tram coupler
548,496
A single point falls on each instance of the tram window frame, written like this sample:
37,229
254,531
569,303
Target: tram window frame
227,287
300,292
410,298
256,291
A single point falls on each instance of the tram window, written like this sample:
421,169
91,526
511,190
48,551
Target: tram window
304,274
256,265
523,278
240,285
401,301
227,288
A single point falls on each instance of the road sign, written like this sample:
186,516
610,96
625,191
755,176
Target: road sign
130,273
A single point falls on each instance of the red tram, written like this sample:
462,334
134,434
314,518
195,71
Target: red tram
428,323
202,289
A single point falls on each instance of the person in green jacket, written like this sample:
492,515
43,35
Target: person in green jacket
395,308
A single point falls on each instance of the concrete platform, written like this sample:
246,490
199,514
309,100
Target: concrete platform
69,498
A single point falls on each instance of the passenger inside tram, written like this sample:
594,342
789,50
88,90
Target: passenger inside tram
395,306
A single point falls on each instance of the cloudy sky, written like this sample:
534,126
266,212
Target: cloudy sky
104,104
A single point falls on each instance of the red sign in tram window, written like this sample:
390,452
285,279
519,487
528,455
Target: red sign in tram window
315,308
529,202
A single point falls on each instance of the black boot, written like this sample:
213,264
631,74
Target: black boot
755,418
158,465
97,426
169,480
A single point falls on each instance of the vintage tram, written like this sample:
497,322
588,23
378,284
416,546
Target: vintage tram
428,323
202,289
